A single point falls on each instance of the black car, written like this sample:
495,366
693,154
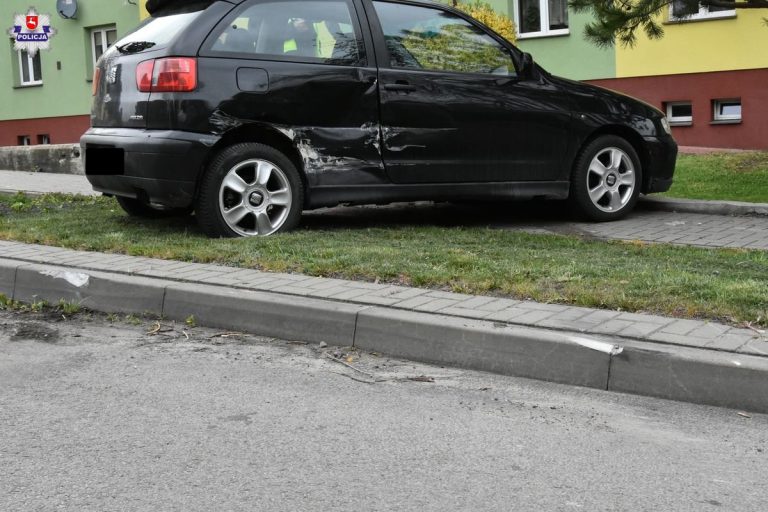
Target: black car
250,111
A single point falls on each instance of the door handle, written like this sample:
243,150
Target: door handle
400,85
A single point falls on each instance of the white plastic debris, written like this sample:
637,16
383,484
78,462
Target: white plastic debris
76,279
600,346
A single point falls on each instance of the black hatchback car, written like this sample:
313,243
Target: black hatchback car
250,111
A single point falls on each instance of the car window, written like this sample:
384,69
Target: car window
433,39
159,30
314,30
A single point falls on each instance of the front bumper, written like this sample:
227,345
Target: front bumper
661,159
160,167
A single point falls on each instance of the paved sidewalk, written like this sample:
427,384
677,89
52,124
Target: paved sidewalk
629,326
694,229
685,229
44,183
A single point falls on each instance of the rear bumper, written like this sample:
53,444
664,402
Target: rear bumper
154,166
662,158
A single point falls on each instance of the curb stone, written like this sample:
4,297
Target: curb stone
98,291
736,208
481,345
263,313
689,375
680,373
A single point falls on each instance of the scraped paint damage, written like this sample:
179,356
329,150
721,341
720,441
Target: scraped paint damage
322,149
319,147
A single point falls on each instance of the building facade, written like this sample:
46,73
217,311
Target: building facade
709,72
46,99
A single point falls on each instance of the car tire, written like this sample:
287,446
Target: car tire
249,189
606,179
136,208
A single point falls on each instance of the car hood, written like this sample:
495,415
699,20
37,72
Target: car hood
592,98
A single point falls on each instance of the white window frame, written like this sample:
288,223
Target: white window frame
544,22
102,31
29,62
703,14
725,117
679,120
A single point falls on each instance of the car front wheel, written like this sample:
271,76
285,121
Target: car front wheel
606,179
249,190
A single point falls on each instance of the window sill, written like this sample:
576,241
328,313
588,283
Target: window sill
539,35
726,121
28,86
681,123
707,17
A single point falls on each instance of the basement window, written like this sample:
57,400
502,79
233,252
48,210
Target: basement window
24,140
679,113
727,111
43,138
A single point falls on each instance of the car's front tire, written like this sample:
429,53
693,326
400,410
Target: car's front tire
249,189
606,180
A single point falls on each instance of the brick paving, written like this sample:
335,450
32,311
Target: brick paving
651,328
685,229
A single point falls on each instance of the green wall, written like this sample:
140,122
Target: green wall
569,56
572,56
65,91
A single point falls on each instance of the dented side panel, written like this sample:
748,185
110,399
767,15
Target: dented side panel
328,113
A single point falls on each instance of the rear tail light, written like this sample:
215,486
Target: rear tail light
96,79
174,74
144,75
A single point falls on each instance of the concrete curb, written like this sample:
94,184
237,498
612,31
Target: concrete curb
267,314
680,373
668,204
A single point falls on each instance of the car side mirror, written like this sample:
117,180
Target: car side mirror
526,66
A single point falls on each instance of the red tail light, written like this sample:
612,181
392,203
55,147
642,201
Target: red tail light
174,74
144,75
96,78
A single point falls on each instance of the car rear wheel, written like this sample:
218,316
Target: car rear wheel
137,208
606,179
249,190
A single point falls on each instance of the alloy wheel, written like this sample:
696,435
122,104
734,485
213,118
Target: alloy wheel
255,198
611,179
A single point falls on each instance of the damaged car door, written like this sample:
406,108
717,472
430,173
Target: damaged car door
300,68
454,108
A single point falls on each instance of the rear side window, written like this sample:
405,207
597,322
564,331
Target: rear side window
310,30
434,39
159,31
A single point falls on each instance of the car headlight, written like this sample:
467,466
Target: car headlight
665,125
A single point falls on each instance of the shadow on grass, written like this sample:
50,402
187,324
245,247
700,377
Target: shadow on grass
520,214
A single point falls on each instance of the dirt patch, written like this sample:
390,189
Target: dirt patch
34,331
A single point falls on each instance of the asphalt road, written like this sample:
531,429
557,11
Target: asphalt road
102,416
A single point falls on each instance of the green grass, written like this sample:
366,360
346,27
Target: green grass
722,176
728,285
